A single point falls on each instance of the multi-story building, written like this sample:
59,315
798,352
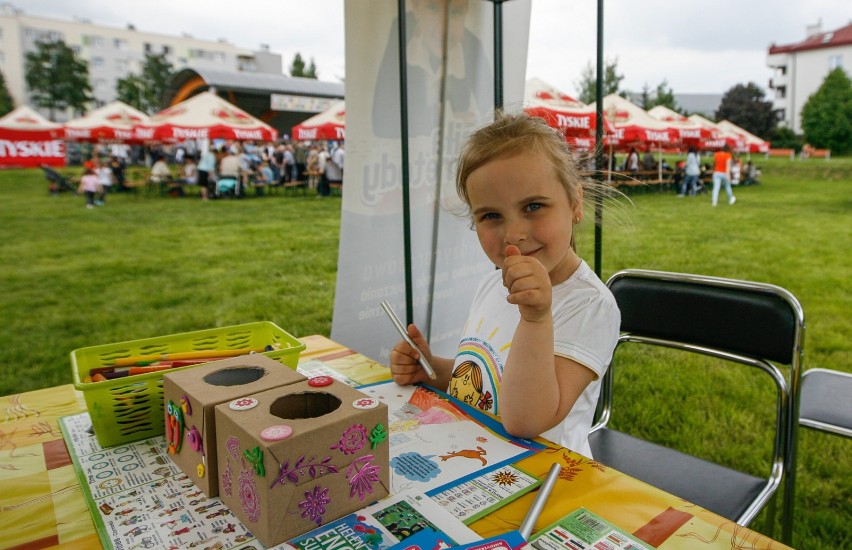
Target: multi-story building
113,53
800,68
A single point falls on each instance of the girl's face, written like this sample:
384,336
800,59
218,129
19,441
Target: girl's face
518,200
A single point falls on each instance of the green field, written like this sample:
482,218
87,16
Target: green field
150,265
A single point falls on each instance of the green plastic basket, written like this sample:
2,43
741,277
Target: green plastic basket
129,409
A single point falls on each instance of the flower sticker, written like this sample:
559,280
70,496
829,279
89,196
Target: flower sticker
354,438
313,507
362,474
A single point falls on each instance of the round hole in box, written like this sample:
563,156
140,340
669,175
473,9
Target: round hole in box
304,405
235,376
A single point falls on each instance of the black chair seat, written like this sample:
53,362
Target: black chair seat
721,490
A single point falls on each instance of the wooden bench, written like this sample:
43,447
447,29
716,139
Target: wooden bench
818,154
294,186
789,153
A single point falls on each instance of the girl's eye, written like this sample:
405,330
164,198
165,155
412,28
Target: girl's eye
489,216
533,206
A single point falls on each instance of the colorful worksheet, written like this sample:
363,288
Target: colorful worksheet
437,442
583,530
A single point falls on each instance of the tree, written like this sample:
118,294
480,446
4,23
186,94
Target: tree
146,91
57,78
586,84
827,114
665,96
6,101
744,106
297,67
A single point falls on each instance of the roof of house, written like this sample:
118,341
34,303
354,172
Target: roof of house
260,82
828,39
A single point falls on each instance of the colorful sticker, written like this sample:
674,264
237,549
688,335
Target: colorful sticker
233,446
353,439
193,436
378,435
365,403
174,427
185,405
313,507
243,404
255,457
313,468
320,381
362,474
249,498
276,433
227,478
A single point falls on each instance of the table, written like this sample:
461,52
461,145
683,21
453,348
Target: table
41,504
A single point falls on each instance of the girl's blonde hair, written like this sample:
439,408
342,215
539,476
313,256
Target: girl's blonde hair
513,134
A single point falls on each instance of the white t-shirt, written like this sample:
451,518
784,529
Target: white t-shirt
586,322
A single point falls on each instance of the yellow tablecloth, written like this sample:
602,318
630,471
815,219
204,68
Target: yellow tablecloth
42,506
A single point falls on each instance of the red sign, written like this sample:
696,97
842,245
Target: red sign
22,148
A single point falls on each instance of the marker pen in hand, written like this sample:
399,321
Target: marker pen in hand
404,333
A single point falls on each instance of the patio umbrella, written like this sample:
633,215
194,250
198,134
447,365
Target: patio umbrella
329,124
205,116
29,139
114,122
753,143
573,119
633,125
724,136
685,131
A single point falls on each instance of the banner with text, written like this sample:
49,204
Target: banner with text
450,68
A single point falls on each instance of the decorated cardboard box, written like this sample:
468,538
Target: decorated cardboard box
189,397
299,456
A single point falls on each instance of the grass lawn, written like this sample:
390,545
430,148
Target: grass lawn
146,266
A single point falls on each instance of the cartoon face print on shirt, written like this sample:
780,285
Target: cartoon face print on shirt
466,385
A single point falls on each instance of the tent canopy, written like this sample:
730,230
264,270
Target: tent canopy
29,139
685,130
329,124
753,143
112,122
25,119
633,125
205,116
575,120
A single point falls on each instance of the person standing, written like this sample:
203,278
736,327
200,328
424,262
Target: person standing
334,169
104,173
691,172
722,174
89,186
207,173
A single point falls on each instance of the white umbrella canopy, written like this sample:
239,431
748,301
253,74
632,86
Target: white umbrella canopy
724,136
633,125
574,119
753,143
205,116
25,119
329,124
114,122
687,131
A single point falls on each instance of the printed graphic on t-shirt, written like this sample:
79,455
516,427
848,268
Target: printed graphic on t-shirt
476,374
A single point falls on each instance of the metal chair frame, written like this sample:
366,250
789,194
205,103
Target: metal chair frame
783,462
842,381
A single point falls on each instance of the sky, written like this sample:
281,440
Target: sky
697,46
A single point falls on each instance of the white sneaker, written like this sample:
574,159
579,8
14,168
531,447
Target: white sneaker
733,200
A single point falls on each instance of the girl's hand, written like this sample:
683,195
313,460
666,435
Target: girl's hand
404,367
529,285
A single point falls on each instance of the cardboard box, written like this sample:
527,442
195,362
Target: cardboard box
302,457
189,397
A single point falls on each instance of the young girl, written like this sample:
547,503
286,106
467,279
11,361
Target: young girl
89,186
542,328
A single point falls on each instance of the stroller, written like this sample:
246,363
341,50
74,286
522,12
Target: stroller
56,182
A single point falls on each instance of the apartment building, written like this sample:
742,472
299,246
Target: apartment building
113,53
800,68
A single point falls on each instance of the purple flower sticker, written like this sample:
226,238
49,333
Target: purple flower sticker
248,495
227,479
313,507
362,474
354,438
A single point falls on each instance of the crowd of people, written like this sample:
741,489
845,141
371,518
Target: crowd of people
222,168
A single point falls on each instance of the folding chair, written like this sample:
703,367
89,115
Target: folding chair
738,323
825,403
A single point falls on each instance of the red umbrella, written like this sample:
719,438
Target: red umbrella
684,130
111,123
205,116
329,124
572,118
633,125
